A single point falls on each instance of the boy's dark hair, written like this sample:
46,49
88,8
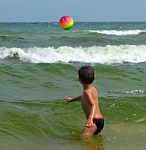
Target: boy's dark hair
86,74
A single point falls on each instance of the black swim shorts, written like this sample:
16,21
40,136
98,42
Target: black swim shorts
99,124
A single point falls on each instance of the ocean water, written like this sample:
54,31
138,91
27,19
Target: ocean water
38,68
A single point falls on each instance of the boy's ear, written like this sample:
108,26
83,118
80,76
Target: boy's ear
80,81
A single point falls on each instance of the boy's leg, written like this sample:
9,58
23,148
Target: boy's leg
89,131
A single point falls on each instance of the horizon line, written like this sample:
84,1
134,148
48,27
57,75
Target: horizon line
76,21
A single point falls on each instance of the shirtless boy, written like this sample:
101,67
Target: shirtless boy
89,101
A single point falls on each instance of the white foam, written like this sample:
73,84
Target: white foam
103,55
118,32
134,92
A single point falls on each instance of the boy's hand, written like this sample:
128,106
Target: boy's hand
89,123
68,99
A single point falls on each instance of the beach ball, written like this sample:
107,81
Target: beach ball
66,22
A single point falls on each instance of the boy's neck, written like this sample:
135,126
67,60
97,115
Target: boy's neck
85,86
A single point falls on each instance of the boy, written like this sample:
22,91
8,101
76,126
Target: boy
89,101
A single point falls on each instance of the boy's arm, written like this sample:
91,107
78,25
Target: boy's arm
70,99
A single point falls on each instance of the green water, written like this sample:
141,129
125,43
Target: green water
47,125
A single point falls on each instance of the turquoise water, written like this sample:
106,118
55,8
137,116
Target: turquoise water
38,68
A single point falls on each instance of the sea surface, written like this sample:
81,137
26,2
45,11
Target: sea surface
38,68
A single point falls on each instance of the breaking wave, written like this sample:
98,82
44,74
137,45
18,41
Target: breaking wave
64,54
118,32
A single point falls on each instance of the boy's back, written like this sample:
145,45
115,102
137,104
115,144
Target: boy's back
89,98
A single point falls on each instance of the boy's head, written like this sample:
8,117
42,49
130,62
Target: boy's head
86,74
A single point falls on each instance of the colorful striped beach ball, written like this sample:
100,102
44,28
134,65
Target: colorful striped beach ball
66,22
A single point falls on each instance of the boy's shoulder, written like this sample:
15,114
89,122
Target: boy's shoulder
90,90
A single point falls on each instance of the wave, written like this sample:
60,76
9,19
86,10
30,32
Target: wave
135,92
64,54
129,92
118,32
